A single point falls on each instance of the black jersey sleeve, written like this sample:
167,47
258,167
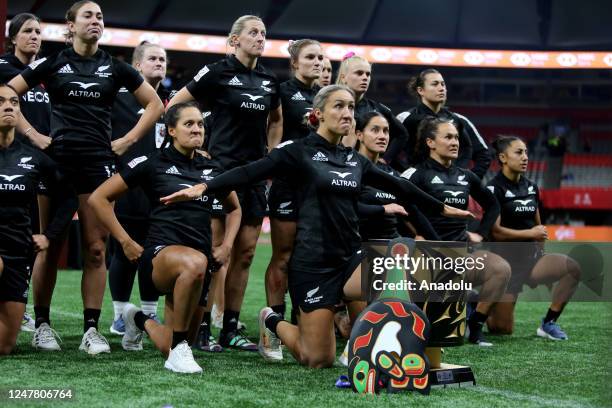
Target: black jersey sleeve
421,223
281,160
404,188
276,97
487,201
399,136
63,193
480,151
204,82
38,71
138,171
369,210
126,75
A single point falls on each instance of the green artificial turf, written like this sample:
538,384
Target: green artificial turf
521,370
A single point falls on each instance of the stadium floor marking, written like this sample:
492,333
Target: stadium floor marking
513,395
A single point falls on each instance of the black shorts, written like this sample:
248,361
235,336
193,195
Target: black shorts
84,173
15,279
145,265
521,271
283,201
312,291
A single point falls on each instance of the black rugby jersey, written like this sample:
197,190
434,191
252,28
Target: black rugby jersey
329,178
126,112
296,99
453,186
82,92
471,145
397,133
162,173
22,167
373,222
240,100
34,104
518,201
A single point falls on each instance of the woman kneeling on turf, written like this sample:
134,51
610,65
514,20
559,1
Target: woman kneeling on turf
178,244
519,221
325,265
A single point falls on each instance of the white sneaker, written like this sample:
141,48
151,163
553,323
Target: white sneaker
343,359
44,338
132,337
180,360
94,343
269,345
27,323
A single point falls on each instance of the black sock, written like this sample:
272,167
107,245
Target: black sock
140,318
230,320
178,337
551,316
206,318
90,318
42,315
272,321
476,321
279,309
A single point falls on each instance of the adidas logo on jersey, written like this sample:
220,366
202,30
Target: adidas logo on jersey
320,157
509,194
298,97
66,69
173,170
134,162
436,180
36,63
235,82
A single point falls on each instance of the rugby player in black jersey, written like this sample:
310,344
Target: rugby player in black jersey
325,263
519,221
356,73
178,244
83,82
326,74
133,208
22,167
22,46
438,147
430,90
306,60
244,99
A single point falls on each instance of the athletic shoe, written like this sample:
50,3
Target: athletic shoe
132,338
478,338
343,359
118,326
551,330
180,360
237,340
94,343
27,323
45,338
269,344
206,342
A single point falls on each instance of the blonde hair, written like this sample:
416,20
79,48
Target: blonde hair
139,51
238,26
344,67
295,47
321,98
